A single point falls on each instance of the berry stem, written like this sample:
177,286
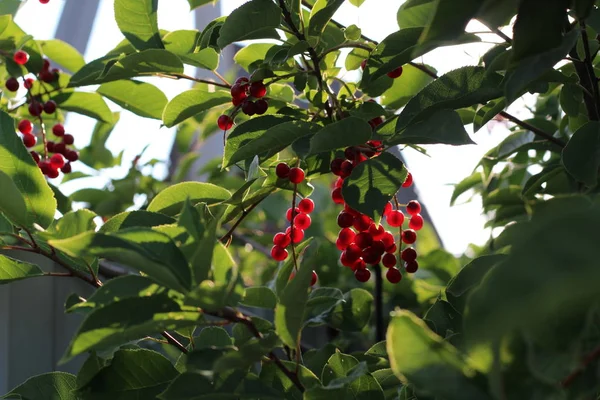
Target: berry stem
218,75
44,137
400,242
226,238
593,355
379,325
184,76
292,226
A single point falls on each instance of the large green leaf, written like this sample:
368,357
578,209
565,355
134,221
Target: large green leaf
183,44
138,218
141,98
320,14
449,21
402,90
347,132
48,386
138,21
171,200
581,155
89,104
12,202
353,312
415,13
259,296
430,364
345,372
62,53
71,224
190,103
198,3
17,164
14,270
256,19
373,183
126,320
252,53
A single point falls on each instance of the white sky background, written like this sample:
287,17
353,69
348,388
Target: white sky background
458,225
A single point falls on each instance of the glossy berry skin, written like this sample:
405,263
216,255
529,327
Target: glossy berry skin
389,260
314,278
52,172
44,167
258,89
288,214
363,240
363,64
345,219
28,83
29,140
58,130
282,240
35,109
350,153
25,126
261,106
296,175
346,236
302,221
50,146
409,254
362,222
413,207
409,236
66,169
278,253
387,209
376,232
416,222
297,236
336,166
241,80
238,91
408,181
224,122
395,218
336,196
68,139
47,76
395,73
60,148
306,206
346,169
371,256
12,84
20,57
282,170
393,275
49,107
411,266
353,252
72,156
362,275
249,108
57,161
36,157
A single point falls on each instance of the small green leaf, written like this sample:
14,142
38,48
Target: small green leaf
259,296
581,155
12,202
571,97
199,3
373,183
170,201
487,112
357,3
14,270
48,386
89,104
347,132
415,13
256,19
254,52
141,98
466,184
321,13
285,270
345,372
71,224
402,90
183,44
190,103
138,21
63,54
352,32
354,312
138,218
448,21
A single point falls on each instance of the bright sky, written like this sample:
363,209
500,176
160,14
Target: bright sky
458,225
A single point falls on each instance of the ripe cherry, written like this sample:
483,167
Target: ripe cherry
44,1
306,206
393,275
50,146
297,236
362,274
36,157
44,167
341,246
409,254
35,108
249,108
389,260
353,252
362,222
52,172
388,239
375,122
409,236
72,155
241,80
29,140
344,260
339,182
413,207
60,148
12,84
363,64
408,181
345,219
411,266
21,57
57,161
346,236
47,76
314,278
416,222
58,130
376,232
378,247
278,253
395,73
49,107
350,153
359,264
68,139
302,221
261,106
224,122
25,126
371,256
363,240
387,209
296,175
258,89
66,169
346,168
238,91
28,83
282,240
282,170
391,249
336,196
395,218
336,166
288,214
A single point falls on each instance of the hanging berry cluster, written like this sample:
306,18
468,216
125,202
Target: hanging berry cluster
62,156
242,93
297,216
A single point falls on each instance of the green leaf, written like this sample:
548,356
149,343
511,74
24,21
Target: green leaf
571,98
71,224
345,371
402,90
430,364
353,312
141,98
373,183
62,53
347,132
138,21
466,184
357,3
126,320
289,313
259,296
415,13
12,202
189,385
171,200
48,386
270,142
321,13
459,88
581,155
131,219
89,104
272,377
183,44
14,270
198,3
256,19
131,374
17,164
285,271
252,53
449,21
190,103
487,112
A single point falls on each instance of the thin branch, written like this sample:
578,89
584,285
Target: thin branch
174,341
590,68
63,274
184,76
504,37
592,356
347,45
218,75
226,238
533,129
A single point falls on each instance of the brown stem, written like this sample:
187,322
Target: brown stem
65,274
593,81
190,78
592,356
174,341
292,227
226,238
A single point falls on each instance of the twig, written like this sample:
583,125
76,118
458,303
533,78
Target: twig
184,76
65,274
347,45
218,75
584,364
174,341
226,238
533,129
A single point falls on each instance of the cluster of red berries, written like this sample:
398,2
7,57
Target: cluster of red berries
62,156
242,93
396,73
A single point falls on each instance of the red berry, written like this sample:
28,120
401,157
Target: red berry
57,161
60,148
314,278
44,167
29,140
236,101
58,130
261,106
28,83
68,139
50,146
359,264
338,183
258,89
346,168
392,249
47,76
278,253
224,122
44,1
345,260
408,181
345,219
238,91
35,156
282,170
302,221
376,232
350,153
288,214
409,236
336,196
395,73
363,64
362,274
370,256
363,240
72,155
25,126
346,236
388,239
389,260
375,122
395,218
411,266
296,175
409,254
306,206
12,84
241,80
46,65
66,169
249,108
393,275
336,166
35,108
387,209
341,246
362,222
416,222
21,57
52,172
49,107
413,207
378,247
282,240
297,236
353,252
